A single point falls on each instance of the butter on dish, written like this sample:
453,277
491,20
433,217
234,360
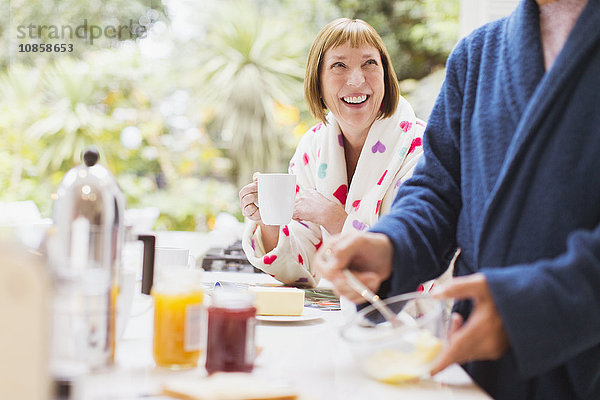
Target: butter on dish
278,300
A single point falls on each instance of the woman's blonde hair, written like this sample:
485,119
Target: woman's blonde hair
337,33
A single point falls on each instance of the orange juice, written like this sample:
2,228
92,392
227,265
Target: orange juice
114,294
177,325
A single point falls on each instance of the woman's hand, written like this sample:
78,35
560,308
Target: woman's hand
248,200
482,336
369,256
312,206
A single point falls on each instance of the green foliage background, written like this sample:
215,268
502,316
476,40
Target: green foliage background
211,103
418,34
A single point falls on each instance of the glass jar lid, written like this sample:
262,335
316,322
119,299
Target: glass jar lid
232,298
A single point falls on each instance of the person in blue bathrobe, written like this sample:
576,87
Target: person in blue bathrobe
511,177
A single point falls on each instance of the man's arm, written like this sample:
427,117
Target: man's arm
551,308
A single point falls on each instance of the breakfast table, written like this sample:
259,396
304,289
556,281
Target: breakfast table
306,355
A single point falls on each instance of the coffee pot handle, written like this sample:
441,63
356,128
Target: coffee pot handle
148,262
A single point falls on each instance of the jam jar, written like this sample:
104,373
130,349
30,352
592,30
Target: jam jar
231,328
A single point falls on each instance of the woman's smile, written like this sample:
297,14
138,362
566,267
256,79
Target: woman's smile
354,100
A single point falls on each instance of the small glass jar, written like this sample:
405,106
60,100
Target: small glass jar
231,328
178,318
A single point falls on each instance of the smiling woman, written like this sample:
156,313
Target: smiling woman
348,166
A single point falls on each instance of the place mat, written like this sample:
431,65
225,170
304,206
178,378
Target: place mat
323,299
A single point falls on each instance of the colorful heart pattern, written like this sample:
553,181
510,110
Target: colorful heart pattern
341,193
405,126
305,159
322,173
415,143
359,226
269,259
378,148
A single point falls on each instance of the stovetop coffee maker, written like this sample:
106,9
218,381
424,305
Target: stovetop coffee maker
85,255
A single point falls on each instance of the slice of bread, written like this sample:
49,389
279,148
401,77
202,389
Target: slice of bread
227,386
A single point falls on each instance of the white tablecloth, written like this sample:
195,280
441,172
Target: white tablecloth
308,356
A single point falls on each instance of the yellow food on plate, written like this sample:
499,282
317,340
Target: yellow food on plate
278,300
395,366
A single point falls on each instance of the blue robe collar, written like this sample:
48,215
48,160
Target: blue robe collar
523,58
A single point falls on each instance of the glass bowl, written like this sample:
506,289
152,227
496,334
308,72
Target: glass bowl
403,352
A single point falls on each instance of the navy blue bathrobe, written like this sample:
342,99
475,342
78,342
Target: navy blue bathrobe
511,175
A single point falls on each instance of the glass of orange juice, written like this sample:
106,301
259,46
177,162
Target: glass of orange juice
178,317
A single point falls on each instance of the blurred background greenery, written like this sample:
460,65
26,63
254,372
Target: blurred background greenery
191,99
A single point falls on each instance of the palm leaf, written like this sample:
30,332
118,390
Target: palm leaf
251,62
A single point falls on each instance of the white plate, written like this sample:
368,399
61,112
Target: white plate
308,314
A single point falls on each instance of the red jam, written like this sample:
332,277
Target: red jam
230,338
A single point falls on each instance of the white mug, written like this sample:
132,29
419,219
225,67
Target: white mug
276,195
173,257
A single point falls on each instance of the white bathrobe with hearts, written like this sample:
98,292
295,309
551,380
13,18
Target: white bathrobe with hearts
388,157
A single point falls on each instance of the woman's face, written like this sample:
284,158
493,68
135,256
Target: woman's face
352,85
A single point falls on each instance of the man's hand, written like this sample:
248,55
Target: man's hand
312,206
482,336
368,255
